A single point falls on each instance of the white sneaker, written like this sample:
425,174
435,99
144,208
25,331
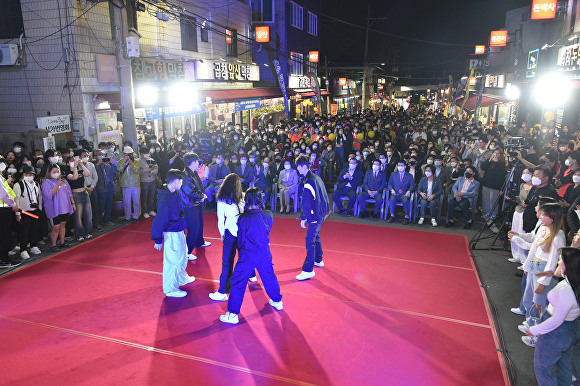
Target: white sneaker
521,267
305,275
253,279
24,255
514,260
321,264
517,311
523,328
12,252
35,251
190,279
494,229
230,318
421,220
218,296
433,222
17,248
529,340
205,244
191,257
152,213
176,294
146,215
276,305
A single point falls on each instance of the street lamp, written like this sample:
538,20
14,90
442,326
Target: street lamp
512,92
552,90
147,95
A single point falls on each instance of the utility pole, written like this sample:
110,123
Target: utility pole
364,82
327,85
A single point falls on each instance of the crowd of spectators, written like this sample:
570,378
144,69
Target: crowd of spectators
432,166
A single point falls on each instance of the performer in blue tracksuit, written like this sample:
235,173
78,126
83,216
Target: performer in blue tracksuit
315,209
254,253
169,225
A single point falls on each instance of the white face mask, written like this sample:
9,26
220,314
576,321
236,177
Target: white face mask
85,160
146,155
99,157
243,161
11,170
401,169
453,164
2,167
265,165
351,166
53,160
526,177
429,162
329,148
567,162
576,179
389,153
55,175
428,174
152,150
437,163
536,181
17,149
286,166
31,178
375,168
383,160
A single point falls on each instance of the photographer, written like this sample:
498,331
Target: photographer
175,156
106,173
492,181
129,169
532,158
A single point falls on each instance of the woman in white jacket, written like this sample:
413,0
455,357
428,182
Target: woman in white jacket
543,257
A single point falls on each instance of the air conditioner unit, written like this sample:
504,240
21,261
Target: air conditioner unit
8,54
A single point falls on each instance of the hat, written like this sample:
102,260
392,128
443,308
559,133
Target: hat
27,169
128,150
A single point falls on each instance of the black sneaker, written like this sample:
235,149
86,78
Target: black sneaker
350,213
341,212
99,228
364,214
135,221
9,264
375,216
126,221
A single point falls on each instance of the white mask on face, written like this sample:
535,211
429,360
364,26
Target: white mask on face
375,168
453,164
99,157
286,166
429,162
55,175
243,161
389,153
437,163
146,155
11,170
567,162
2,167
526,177
576,179
53,160
31,178
428,174
351,166
85,160
265,165
17,149
536,181
401,169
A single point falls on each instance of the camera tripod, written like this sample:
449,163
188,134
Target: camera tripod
506,212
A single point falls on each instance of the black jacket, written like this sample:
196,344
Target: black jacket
169,216
192,189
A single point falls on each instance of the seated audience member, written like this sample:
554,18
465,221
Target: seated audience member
217,174
264,178
464,189
430,189
245,172
374,183
287,185
401,186
348,181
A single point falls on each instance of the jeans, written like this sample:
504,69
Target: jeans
247,262
364,196
148,196
228,255
313,246
553,355
106,203
488,198
83,216
344,192
194,219
128,195
531,299
433,206
399,198
211,191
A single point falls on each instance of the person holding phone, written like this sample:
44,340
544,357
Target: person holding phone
59,204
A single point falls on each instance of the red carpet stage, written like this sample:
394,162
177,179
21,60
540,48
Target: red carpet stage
391,306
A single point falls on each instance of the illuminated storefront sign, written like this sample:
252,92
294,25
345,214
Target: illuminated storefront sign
498,38
569,57
495,81
232,72
479,50
154,70
342,81
313,56
544,9
532,63
263,34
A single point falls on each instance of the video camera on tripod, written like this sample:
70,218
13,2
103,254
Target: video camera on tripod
515,145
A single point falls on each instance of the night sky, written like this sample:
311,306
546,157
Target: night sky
463,23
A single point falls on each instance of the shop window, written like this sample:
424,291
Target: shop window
11,24
296,63
188,33
297,16
312,24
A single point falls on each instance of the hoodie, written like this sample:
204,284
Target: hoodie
170,217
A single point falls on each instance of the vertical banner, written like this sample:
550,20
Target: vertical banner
282,83
481,84
458,90
449,98
316,88
466,97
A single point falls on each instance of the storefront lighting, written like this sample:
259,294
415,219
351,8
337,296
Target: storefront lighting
183,94
147,95
238,60
266,65
573,37
512,92
222,59
552,90
253,63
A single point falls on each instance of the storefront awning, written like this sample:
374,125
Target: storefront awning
114,100
486,100
227,96
311,94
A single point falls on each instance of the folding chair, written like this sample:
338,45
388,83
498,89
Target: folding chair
372,200
412,200
345,198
